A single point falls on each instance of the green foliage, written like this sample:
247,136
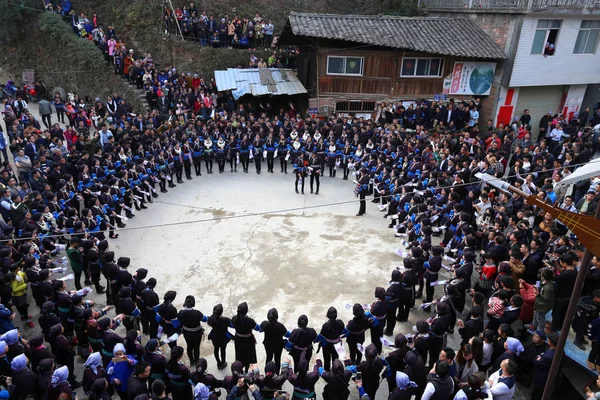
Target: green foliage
139,24
60,58
14,16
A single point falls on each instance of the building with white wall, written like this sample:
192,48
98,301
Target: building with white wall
553,79
552,47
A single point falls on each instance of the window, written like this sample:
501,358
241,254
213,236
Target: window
418,67
355,106
546,36
344,65
587,38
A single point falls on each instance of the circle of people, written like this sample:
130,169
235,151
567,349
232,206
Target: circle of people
418,161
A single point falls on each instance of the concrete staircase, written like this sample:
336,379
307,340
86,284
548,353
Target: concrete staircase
141,95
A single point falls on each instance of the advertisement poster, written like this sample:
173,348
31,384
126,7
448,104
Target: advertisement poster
472,78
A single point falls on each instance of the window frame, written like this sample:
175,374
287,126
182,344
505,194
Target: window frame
365,106
440,69
589,31
547,30
362,66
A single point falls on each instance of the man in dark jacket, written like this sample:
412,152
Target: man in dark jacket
138,382
588,309
588,204
439,383
541,366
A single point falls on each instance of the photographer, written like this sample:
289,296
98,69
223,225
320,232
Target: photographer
588,309
565,281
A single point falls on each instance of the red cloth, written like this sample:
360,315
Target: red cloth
489,271
528,294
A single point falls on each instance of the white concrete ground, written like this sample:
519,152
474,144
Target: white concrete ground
227,241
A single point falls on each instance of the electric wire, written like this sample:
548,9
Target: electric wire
246,214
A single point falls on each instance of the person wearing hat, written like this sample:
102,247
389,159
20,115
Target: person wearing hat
357,327
59,383
93,371
119,369
23,379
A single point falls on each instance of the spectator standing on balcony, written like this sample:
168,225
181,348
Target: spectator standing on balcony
211,26
230,34
269,29
473,117
223,30
250,32
526,118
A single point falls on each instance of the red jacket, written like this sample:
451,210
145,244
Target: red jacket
528,294
195,83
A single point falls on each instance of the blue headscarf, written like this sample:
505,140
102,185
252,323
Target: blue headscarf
60,375
201,392
10,337
119,347
93,362
514,345
3,346
403,381
18,363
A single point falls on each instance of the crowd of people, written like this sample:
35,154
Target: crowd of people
81,182
512,265
226,31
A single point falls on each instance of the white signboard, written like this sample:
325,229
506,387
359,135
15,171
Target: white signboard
472,78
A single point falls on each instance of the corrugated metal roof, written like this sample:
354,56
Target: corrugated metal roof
259,82
227,80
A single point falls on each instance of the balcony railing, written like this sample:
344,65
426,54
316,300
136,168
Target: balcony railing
510,4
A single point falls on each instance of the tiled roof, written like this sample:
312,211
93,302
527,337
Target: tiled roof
447,36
